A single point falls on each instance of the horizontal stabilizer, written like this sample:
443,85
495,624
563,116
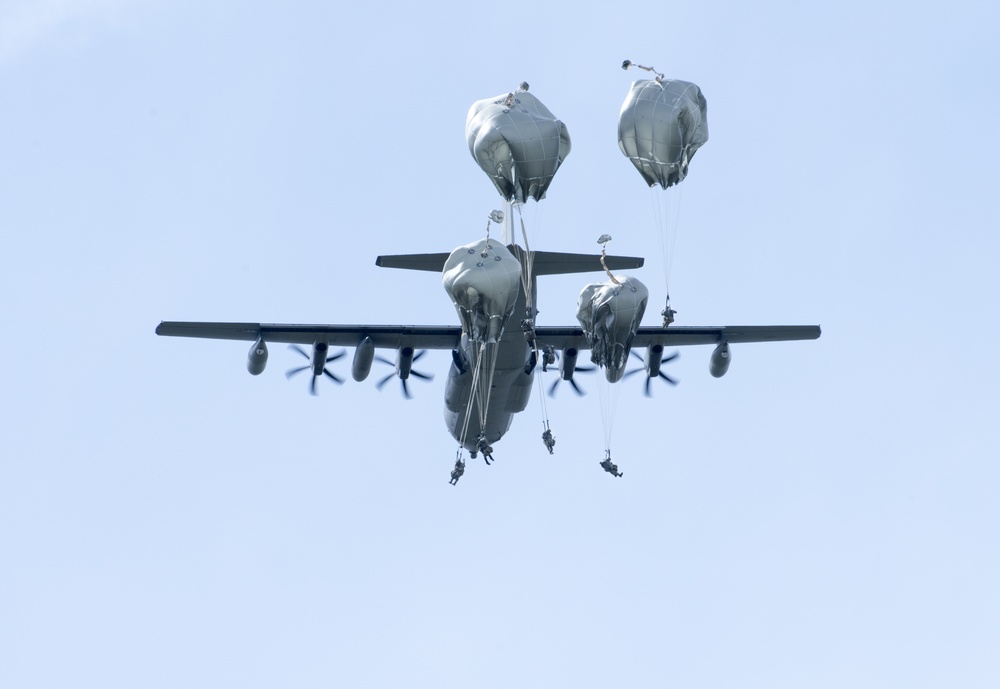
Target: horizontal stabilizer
544,262
559,263
430,262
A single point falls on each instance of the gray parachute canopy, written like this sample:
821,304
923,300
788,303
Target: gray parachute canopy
661,125
517,142
610,315
483,280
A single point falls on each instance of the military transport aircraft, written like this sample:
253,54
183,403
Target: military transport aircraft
520,145
472,417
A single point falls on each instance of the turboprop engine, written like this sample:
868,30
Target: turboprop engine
483,279
610,313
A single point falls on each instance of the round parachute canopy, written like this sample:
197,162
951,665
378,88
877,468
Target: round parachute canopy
483,279
661,125
518,143
610,315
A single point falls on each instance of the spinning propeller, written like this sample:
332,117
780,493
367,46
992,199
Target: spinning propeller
654,370
404,361
318,362
572,382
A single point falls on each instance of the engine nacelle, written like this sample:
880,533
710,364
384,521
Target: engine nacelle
257,357
719,363
567,364
654,357
404,362
363,357
320,350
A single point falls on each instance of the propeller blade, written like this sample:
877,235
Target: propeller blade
576,387
670,358
291,372
405,386
649,382
667,378
312,383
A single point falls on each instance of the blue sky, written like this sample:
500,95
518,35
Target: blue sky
825,515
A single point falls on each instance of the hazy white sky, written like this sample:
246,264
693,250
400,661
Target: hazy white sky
825,515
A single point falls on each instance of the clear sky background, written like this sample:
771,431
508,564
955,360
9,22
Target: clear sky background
825,515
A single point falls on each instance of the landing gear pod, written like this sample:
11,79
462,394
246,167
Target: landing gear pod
719,363
257,357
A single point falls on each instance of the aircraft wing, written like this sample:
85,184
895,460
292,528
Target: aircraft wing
449,337
679,335
382,336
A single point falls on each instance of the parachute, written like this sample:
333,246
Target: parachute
517,142
662,123
483,280
610,313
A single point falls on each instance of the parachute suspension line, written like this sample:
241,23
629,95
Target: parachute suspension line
541,399
489,222
529,260
607,394
666,205
628,63
468,411
506,218
666,213
603,240
487,352
477,365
